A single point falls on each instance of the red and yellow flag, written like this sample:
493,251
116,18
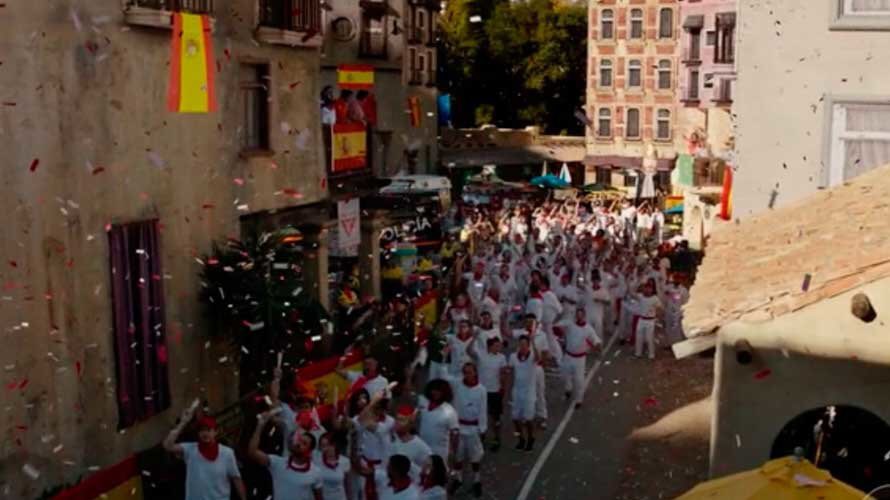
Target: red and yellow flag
321,380
118,482
355,76
191,87
349,147
414,110
726,195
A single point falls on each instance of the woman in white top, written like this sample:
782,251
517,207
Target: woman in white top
294,477
334,470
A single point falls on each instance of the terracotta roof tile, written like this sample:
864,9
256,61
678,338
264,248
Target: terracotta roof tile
755,269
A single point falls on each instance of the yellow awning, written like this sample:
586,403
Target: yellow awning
784,478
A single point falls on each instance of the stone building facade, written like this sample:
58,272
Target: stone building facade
90,147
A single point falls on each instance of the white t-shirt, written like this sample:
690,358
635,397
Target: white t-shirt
483,335
490,366
459,353
578,337
332,478
436,426
552,308
434,493
523,374
373,385
471,404
535,306
374,445
291,484
415,449
646,306
206,480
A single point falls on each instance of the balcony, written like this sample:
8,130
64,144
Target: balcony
415,76
159,13
691,56
295,23
723,93
431,78
372,44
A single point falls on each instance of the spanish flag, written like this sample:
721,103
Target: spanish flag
355,76
349,148
191,87
414,110
321,380
118,482
726,195
425,310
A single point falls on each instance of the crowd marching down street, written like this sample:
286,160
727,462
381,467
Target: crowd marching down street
533,289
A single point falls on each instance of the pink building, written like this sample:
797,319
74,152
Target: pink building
707,75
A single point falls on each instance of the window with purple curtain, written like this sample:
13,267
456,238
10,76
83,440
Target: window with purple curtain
138,313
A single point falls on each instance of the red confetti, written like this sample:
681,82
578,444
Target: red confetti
12,385
212,261
98,170
23,384
239,181
762,374
324,182
162,354
13,263
78,367
293,85
293,193
107,227
207,206
34,164
228,54
69,263
650,402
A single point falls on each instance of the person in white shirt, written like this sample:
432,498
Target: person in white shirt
456,312
505,283
492,373
405,442
369,379
294,477
646,306
374,428
470,399
396,482
522,367
541,346
492,305
437,421
596,301
485,331
676,295
210,468
434,482
334,470
568,295
476,284
457,347
552,311
580,339
658,226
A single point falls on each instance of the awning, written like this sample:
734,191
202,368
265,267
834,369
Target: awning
694,22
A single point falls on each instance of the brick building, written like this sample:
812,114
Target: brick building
632,85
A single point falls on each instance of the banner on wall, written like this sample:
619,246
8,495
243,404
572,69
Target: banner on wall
191,88
349,147
348,224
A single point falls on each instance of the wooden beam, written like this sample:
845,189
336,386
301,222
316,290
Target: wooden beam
694,346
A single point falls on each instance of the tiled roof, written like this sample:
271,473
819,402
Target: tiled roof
755,270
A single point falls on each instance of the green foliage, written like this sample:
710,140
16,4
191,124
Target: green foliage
526,61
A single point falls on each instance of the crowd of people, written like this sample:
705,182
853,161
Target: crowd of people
533,288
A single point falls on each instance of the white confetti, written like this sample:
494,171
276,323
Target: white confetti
475,19
302,140
573,440
285,128
30,471
738,441
156,159
76,20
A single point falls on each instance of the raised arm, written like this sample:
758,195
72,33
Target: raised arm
170,441
275,387
253,448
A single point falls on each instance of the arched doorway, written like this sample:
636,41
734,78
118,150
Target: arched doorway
852,443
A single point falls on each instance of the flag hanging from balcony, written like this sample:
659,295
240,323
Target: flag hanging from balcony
349,147
726,195
355,76
414,111
191,87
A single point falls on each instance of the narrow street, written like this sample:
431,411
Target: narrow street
641,434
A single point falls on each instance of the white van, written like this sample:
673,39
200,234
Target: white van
421,184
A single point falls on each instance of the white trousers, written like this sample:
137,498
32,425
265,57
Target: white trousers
552,342
540,393
645,333
573,369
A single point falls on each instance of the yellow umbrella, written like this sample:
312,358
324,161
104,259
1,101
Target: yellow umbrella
788,478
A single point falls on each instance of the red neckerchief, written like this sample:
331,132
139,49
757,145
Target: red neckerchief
474,384
582,324
359,384
432,406
292,466
334,466
209,450
523,358
537,295
400,485
464,339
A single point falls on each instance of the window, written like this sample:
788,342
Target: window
414,70
694,51
430,68
373,35
633,123
666,23
664,74
255,88
604,176
605,73
711,38
861,15
636,24
421,64
692,89
663,125
303,16
724,52
630,179
607,25
724,91
860,139
604,123
634,73
137,302
663,181
420,26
